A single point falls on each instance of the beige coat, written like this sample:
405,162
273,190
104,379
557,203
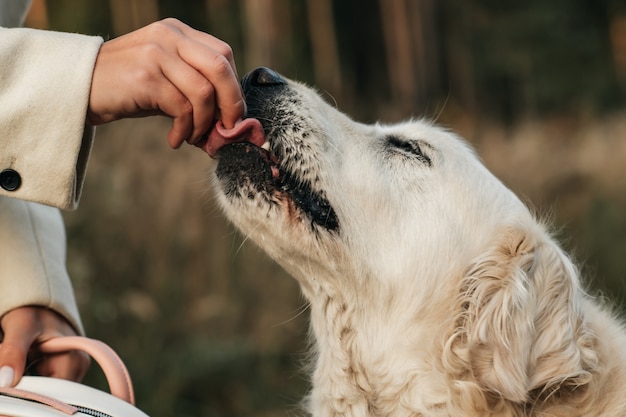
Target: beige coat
45,79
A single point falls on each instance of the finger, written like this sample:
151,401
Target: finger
216,68
13,351
72,365
198,90
172,102
182,127
210,41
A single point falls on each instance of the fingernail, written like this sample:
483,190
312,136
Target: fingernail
6,376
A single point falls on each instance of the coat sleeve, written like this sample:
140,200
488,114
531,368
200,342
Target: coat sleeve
45,80
32,259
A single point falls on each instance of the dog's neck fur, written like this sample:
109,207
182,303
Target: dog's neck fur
353,346
365,364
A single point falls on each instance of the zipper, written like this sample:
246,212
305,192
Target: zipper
90,411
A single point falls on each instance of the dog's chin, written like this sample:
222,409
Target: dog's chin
249,172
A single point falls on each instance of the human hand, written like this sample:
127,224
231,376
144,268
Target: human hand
170,69
23,329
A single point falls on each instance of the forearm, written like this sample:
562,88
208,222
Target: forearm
45,80
32,260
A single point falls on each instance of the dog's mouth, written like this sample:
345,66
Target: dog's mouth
252,163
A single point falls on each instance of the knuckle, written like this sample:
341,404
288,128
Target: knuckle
205,91
161,28
225,50
170,21
185,109
220,65
143,75
151,50
240,106
150,55
147,57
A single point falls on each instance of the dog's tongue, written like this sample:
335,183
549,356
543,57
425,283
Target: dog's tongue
246,130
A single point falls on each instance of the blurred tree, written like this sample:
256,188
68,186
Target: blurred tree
261,30
400,63
128,15
38,15
223,19
526,58
618,45
192,12
92,17
411,44
361,46
324,45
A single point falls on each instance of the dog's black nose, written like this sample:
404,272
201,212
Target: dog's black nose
262,77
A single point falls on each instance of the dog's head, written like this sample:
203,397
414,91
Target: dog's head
407,213
338,194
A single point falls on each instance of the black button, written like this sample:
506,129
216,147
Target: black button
10,180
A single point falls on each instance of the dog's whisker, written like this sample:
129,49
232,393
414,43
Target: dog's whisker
332,97
244,240
335,147
301,310
442,108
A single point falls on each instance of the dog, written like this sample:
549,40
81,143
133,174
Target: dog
433,290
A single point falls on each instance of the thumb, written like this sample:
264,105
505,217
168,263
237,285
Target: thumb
12,361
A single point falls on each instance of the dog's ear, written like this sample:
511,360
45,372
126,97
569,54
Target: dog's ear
520,332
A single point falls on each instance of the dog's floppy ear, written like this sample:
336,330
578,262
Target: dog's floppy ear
520,332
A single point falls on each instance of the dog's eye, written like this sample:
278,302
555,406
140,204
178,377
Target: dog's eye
410,148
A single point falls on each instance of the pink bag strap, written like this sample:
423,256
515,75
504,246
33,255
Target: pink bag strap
39,398
116,374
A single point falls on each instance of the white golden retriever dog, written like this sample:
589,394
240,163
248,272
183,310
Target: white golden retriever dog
433,290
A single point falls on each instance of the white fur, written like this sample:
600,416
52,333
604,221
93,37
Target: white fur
440,294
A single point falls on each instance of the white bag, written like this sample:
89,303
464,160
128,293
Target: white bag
38,396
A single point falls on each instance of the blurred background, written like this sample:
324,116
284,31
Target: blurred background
207,324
